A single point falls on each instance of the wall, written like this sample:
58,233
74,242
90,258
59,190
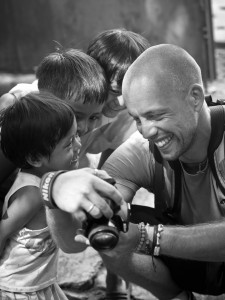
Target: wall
30,27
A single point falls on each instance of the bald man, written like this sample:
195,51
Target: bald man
164,93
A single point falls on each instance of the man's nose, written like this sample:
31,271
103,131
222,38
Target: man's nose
149,130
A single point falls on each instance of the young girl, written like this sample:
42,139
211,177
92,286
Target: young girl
38,134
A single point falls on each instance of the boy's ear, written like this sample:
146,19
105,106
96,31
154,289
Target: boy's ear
35,161
197,97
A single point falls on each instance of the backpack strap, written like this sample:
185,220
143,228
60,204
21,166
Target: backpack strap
217,132
160,188
159,182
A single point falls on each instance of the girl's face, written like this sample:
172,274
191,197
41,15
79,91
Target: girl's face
114,103
66,153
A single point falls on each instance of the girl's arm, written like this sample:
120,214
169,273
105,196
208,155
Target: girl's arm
25,204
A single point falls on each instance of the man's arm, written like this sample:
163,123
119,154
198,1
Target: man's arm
63,228
204,242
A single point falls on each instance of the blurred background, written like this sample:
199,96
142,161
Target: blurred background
30,29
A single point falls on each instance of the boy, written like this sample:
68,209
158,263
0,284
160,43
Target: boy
73,76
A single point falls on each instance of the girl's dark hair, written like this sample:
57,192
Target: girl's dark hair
33,126
115,50
73,75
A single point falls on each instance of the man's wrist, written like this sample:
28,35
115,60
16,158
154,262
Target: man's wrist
46,187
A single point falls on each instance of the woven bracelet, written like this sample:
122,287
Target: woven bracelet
156,239
46,188
148,242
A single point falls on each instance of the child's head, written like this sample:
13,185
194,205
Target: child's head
74,76
40,131
115,50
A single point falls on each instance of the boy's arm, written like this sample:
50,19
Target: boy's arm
7,167
26,203
7,100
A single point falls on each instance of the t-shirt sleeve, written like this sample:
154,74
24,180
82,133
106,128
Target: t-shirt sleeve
21,89
112,133
132,164
119,130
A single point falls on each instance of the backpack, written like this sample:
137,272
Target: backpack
169,215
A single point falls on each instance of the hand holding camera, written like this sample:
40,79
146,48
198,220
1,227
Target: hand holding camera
103,233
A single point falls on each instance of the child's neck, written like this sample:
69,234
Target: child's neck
34,171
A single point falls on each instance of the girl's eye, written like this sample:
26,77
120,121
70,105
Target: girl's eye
115,92
137,122
71,142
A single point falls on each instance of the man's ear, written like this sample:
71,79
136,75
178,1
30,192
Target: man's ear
35,161
196,96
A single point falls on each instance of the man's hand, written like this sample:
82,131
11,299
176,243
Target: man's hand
83,191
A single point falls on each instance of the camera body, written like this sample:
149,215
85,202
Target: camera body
103,233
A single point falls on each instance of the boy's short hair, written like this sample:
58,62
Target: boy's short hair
115,50
33,126
73,75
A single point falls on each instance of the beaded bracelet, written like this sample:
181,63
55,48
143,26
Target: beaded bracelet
46,188
144,245
141,228
156,239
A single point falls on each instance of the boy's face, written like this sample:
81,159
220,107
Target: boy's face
114,103
88,116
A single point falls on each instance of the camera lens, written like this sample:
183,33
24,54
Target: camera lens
103,237
103,234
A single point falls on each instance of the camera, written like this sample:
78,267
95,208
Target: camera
103,233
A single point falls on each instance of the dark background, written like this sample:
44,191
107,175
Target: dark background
29,29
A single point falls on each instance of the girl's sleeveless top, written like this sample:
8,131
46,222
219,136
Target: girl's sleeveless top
29,260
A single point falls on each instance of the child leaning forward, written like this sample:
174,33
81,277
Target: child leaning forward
38,134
